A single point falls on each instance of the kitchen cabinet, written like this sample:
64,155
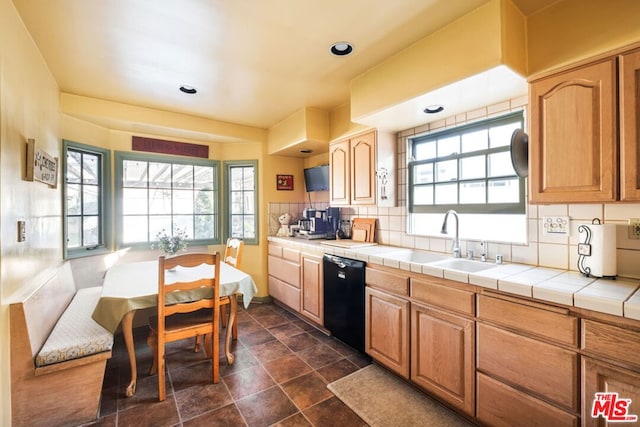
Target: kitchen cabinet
284,275
573,135
357,166
387,330
609,366
295,279
526,352
629,126
598,376
575,154
312,302
443,342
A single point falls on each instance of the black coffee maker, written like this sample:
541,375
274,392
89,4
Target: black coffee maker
333,222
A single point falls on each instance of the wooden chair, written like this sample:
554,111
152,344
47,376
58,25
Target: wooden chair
233,257
177,321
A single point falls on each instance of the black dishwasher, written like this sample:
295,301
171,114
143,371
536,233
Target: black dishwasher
344,299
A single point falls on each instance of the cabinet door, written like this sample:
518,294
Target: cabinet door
363,169
629,123
312,289
387,330
339,169
573,154
602,377
442,356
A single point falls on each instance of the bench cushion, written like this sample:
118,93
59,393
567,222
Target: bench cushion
76,334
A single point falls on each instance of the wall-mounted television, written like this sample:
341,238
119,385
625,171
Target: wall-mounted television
317,178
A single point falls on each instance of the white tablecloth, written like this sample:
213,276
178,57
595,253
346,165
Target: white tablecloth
134,286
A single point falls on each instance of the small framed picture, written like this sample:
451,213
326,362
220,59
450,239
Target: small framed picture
284,182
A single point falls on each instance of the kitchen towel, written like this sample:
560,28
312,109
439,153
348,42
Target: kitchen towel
597,250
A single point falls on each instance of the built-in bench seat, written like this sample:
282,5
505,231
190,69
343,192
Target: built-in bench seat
58,353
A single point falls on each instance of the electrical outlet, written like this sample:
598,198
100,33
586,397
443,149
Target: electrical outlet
555,225
634,228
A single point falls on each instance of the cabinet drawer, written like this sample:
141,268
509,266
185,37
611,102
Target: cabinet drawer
284,270
552,323
502,406
284,293
275,250
549,371
443,296
388,281
611,341
291,254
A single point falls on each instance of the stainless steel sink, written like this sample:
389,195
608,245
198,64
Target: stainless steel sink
465,265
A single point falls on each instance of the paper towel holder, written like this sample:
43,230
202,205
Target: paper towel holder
584,249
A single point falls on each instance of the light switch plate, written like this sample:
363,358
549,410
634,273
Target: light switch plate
555,224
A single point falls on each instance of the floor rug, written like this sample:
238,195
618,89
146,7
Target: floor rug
382,399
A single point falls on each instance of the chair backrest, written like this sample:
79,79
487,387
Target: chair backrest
199,284
233,252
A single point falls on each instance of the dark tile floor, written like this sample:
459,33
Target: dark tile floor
279,377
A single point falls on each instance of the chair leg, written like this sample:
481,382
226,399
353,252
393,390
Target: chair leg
152,342
212,350
196,347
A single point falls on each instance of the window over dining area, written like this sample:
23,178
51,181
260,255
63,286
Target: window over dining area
166,193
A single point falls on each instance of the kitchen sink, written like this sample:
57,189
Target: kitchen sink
466,265
417,257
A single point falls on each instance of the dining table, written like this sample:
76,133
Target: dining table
129,287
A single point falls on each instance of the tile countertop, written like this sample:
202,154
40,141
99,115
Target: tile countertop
620,297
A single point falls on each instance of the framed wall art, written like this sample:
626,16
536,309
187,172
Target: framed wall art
284,182
41,166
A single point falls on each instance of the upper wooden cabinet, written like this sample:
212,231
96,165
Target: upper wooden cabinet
574,154
573,136
362,170
629,134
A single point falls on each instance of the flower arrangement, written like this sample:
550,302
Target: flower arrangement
171,245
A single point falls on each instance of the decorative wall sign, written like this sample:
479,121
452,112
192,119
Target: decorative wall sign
152,145
284,182
41,166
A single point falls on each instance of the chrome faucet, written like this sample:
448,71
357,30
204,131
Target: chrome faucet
483,255
456,240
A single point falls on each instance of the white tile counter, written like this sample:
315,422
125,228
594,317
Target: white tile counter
619,297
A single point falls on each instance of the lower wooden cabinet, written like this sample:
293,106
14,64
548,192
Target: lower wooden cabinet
601,377
544,370
284,276
312,302
387,330
500,405
442,355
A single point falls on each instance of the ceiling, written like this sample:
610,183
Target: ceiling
253,62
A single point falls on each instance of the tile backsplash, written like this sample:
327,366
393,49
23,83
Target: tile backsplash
541,249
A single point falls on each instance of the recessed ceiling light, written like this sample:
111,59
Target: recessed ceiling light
306,151
188,89
341,48
433,109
